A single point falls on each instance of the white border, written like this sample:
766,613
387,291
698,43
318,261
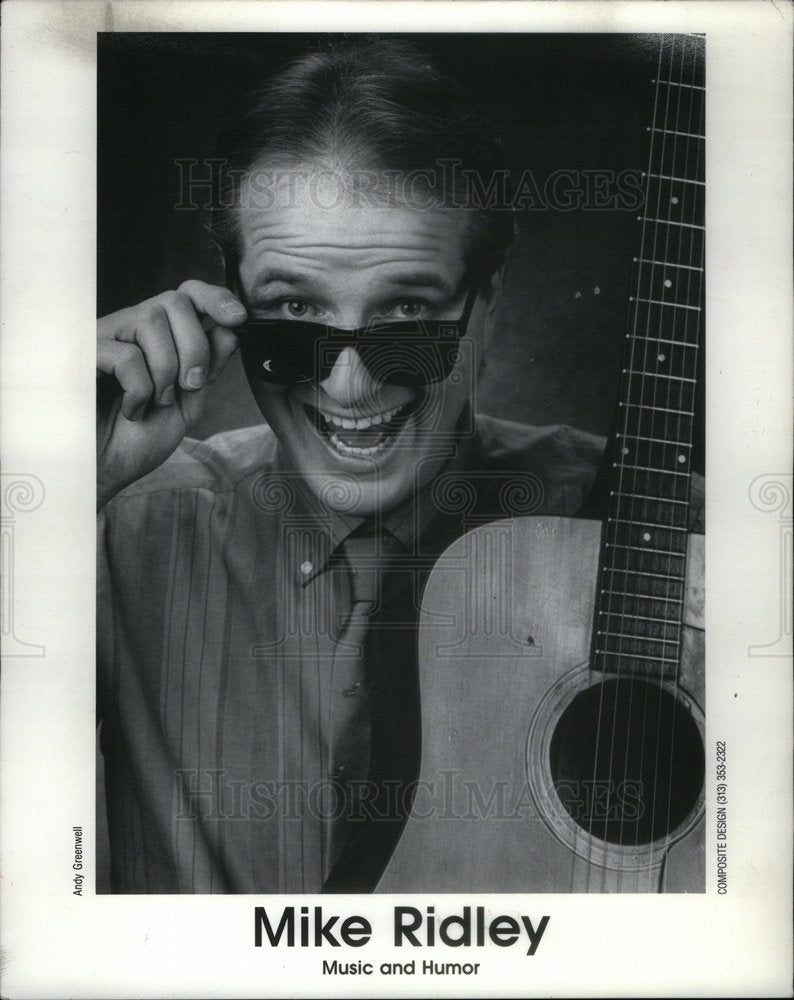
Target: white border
57,944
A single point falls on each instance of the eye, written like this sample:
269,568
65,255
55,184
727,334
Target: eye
296,308
286,308
410,309
407,309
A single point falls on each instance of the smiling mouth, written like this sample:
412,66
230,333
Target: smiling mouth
360,437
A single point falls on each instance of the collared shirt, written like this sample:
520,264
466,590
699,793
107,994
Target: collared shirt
221,597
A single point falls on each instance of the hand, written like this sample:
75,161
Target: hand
155,363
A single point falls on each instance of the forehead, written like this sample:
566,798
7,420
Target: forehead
316,225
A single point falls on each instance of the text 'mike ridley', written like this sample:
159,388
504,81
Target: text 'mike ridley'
411,926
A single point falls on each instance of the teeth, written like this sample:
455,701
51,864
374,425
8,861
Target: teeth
349,424
345,449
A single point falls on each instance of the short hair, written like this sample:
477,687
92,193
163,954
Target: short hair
374,104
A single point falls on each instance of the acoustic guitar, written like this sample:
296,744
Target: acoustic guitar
561,659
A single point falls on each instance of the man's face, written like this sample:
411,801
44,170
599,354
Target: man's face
344,266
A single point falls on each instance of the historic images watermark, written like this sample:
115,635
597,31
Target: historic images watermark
214,794
773,494
210,183
21,493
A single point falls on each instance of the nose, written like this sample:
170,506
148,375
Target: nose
349,383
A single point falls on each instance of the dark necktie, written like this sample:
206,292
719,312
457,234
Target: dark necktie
373,724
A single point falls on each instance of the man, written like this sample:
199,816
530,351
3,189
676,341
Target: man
258,593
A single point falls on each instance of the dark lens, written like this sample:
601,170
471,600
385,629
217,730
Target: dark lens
408,364
401,353
279,352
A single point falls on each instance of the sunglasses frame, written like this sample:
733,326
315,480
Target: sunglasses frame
436,340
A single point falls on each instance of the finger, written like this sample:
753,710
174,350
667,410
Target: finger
126,364
189,339
216,302
223,344
154,337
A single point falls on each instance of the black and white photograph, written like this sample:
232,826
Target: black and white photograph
366,370
433,620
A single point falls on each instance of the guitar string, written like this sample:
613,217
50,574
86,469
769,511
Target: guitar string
667,434
687,319
654,516
613,508
696,321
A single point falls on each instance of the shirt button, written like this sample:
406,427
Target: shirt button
306,568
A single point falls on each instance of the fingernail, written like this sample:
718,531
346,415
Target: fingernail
167,396
195,377
232,308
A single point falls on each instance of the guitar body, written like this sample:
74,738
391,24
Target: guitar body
509,799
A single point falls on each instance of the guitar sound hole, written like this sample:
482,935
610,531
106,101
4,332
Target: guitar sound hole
627,761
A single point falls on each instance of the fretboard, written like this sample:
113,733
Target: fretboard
643,556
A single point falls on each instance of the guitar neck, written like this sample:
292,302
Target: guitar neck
643,555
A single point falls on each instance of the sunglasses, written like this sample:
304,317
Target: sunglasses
395,352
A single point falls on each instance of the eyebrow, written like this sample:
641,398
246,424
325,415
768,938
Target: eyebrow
412,279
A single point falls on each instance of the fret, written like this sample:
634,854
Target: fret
640,630
662,340
654,670
637,550
632,644
666,263
655,598
678,180
670,565
658,302
639,437
664,375
648,524
640,496
630,616
642,572
669,222
627,509
674,83
671,131
655,423
680,393
656,409
635,656
649,468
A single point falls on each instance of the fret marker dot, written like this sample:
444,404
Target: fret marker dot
646,537
674,200
306,568
624,451
668,283
662,357
682,459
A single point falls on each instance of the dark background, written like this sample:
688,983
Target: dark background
559,102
